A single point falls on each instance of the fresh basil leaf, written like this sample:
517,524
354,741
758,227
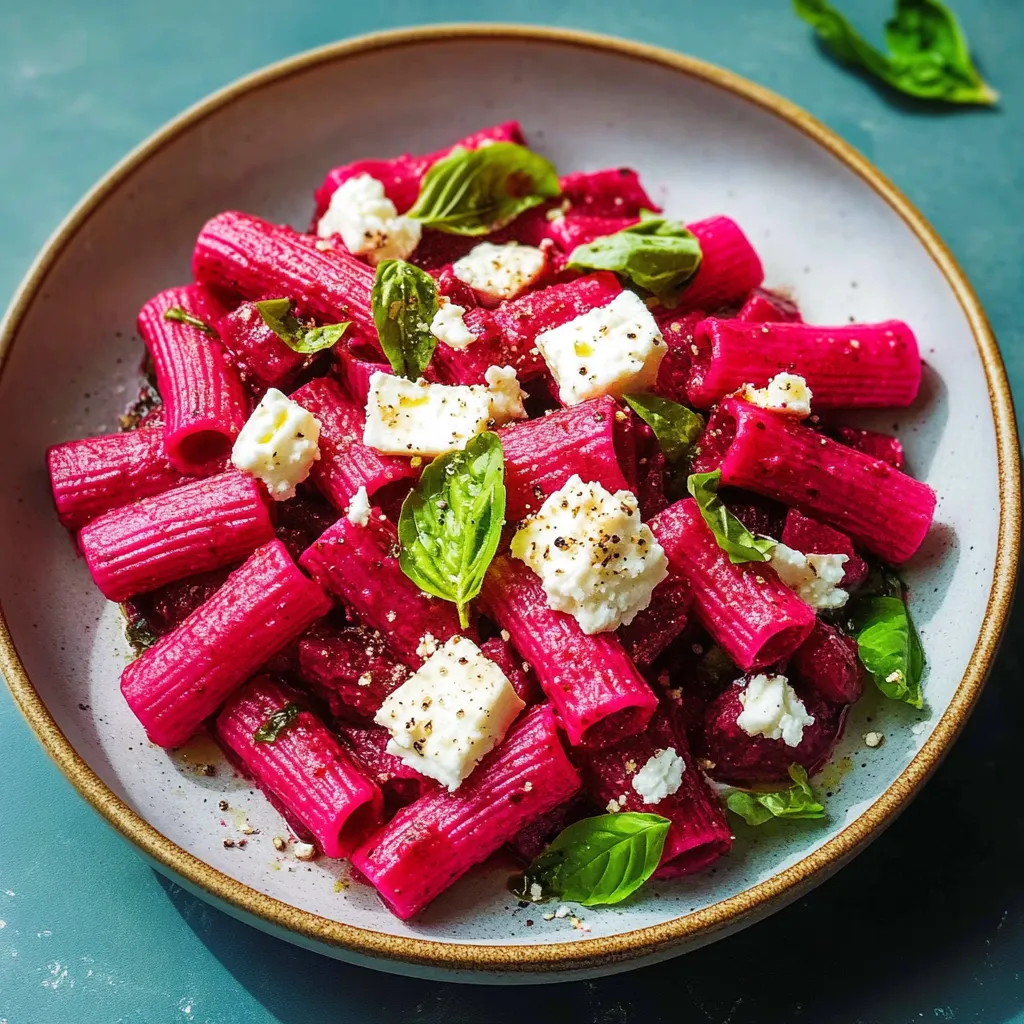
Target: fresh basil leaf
675,427
888,644
451,522
656,254
598,860
796,803
928,55
404,300
475,191
283,718
732,536
278,315
179,315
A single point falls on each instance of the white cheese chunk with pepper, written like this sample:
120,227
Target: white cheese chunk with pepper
814,578
610,350
771,708
449,326
595,558
278,444
500,271
405,417
368,221
450,713
786,393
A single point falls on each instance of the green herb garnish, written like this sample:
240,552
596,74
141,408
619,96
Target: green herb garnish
927,57
279,316
796,803
404,300
732,536
475,191
887,642
283,718
675,427
179,315
597,860
139,633
656,254
451,522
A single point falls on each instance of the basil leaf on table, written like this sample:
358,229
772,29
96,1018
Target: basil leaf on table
796,803
451,522
278,315
656,254
888,644
928,54
475,191
598,860
404,301
283,718
732,536
676,428
179,315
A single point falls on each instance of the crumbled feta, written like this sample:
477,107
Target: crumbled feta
814,578
405,417
447,715
448,324
506,395
612,807
563,911
500,271
359,508
786,393
278,444
427,647
874,739
660,777
536,890
304,851
609,350
368,221
772,709
595,558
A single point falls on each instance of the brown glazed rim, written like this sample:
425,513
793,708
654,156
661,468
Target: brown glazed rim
698,925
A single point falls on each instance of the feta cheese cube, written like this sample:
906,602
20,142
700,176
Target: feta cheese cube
786,393
358,513
405,417
772,709
814,578
609,350
660,777
278,444
446,716
596,560
368,221
448,324
500,271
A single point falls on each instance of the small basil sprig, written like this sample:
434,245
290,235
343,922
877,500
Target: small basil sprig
888,644
279,316
451,522
675,427
475,191
732,536
796,803
928,54
139,633
656,254
283,718
179,315
598,860
404,301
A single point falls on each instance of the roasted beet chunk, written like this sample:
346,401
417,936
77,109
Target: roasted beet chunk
350,669
827,663
737,757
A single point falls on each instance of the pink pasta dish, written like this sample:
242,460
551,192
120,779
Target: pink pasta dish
501,510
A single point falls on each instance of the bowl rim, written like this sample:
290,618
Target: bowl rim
584,953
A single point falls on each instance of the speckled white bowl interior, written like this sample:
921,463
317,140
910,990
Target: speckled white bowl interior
825,235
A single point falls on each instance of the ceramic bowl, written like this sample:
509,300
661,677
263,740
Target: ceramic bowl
831,230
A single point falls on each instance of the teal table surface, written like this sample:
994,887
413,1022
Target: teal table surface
928,924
